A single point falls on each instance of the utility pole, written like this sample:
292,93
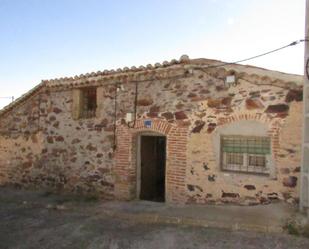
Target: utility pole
304,188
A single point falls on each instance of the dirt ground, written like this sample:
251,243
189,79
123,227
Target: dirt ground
32,219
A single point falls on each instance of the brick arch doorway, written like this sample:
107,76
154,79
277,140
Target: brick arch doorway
151,166
126,166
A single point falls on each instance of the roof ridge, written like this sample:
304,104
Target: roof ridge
182,60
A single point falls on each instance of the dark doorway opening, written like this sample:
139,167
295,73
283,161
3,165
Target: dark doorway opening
153,157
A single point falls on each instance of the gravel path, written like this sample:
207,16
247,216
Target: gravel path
31,219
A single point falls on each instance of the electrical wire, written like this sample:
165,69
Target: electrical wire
214,66
11,97
259,55
115,117
307,68
135,106
205,67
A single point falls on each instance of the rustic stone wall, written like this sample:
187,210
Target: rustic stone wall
80,151
42,144
44,147
21,144
274,107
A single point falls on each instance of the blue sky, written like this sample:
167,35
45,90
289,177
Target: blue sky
43,39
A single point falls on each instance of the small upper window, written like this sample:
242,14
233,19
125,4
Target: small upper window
88,102
245,154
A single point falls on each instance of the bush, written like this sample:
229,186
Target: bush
295,227
292,228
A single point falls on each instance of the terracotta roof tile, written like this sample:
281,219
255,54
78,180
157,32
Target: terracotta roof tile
182,62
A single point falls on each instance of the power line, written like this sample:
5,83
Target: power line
230,63
259,55
10,97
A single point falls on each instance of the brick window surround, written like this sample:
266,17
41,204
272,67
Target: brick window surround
125,169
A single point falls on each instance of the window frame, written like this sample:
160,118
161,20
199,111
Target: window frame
88,113
245,168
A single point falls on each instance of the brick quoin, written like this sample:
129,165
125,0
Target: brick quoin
125,170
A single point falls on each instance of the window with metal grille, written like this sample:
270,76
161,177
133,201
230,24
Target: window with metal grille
88,102
257,160
235,158
245,153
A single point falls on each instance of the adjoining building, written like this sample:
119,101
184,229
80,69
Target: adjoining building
185,131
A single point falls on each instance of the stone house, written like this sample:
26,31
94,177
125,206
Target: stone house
185,131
